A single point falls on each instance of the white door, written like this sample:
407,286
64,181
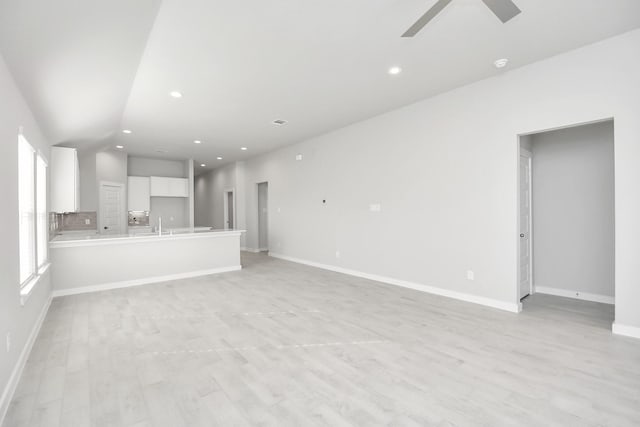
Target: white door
525,224
111,208
263,216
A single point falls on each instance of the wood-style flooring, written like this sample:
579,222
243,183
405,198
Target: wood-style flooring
282,344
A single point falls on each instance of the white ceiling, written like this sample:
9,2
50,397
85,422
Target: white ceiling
85,69
75,60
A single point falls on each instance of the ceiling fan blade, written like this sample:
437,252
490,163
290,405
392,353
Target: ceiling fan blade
424,19
503,9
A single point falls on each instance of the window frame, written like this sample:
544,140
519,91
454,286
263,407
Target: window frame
39,227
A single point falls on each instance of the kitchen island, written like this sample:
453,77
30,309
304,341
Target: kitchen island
99,262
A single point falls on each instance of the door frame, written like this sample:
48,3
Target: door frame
518,137
225,204
123,214
261,249
522,152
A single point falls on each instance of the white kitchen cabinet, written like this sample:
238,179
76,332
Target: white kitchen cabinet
139,193
162,186
65,180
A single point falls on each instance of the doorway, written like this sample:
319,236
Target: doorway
566,216
229,209
111,218
525,286
263,216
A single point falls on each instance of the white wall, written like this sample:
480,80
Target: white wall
241,202
88,185
14,318
143,166
175,211
573,209
111,165
209,195
445,172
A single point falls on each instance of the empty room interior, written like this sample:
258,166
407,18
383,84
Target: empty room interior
304,213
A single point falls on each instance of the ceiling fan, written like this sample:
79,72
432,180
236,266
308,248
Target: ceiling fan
503,9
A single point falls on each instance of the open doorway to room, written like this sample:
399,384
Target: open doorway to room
566,220
229,203
263,216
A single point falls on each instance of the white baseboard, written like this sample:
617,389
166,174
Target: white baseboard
625,330
605,299
252,250
489,302
139,282
14,379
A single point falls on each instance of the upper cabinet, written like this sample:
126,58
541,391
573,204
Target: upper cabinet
169,187
65,182
139,193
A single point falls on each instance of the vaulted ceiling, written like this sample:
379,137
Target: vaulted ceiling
91,68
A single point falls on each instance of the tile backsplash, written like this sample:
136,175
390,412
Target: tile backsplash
138,218
72,221
55,221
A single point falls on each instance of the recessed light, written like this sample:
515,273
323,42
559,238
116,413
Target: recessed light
279,122
395,70
219,158
203,165
197,141
501,63
243,148
120,147
127,131
175,94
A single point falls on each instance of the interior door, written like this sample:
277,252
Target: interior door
111,217
525,224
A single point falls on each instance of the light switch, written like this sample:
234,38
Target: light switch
470,275
375,207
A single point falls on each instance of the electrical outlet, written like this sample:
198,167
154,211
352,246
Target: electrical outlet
8,342
337,254
87,221
470,275
375,207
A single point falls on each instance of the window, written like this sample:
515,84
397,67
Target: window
26,187
33,217
42,220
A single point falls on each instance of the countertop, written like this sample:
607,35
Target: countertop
67,240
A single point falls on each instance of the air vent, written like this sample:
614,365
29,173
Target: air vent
279,122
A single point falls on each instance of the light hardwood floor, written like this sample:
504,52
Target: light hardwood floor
288,345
